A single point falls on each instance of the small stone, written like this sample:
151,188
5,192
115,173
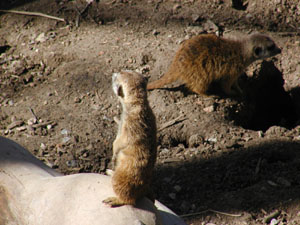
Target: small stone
10,102
64,132
66,139
274,222
49,164
283,182
177,188
31,121
249,16
275,130
212,139
49,126
209,109
272,183
176,7
43,146
297,138
41,38
172,196
164,151
247,139
260,134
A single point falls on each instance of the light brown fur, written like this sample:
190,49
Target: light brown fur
206,58
134,149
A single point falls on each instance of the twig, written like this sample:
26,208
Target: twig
81,12
269,217
210,210
257,166
33,114
33,14
172,122
44,124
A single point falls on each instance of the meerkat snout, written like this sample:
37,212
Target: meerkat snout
264,46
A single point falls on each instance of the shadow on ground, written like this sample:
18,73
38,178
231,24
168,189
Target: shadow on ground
266,102
263,176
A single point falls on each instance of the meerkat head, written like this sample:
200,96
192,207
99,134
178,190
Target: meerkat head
262,46
129,86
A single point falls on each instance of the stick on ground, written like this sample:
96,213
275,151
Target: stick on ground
33,14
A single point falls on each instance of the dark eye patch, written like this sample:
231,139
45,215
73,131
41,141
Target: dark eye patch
271,48
257,51
120,91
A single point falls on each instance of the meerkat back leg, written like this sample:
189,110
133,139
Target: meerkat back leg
237,87
227,86
118,145
116,202
199,89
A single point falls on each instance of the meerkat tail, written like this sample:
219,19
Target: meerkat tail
167,78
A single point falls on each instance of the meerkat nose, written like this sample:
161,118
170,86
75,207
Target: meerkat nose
278,50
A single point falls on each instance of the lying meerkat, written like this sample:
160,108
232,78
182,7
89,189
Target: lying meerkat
206,58
135,147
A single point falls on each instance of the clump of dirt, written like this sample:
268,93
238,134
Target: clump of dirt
221,160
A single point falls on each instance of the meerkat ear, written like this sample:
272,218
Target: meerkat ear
257,51
120,91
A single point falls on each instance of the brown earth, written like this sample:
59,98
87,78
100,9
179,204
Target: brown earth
221,160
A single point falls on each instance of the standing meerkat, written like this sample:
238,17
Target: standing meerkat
206,58
135,147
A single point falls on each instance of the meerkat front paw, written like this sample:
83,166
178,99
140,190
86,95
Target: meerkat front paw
113,202
109,172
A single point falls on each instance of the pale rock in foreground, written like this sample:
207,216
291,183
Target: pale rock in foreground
32,193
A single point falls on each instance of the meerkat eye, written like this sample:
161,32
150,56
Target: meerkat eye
257,51
120,91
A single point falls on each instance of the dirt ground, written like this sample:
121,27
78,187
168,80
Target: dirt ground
221,160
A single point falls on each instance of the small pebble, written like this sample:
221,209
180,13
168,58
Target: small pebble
172,196
43,146
209,109
66,139
260,133
64,132
177,188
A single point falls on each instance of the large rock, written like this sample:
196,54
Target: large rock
32,193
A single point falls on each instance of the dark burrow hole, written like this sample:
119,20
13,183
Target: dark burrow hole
265,103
